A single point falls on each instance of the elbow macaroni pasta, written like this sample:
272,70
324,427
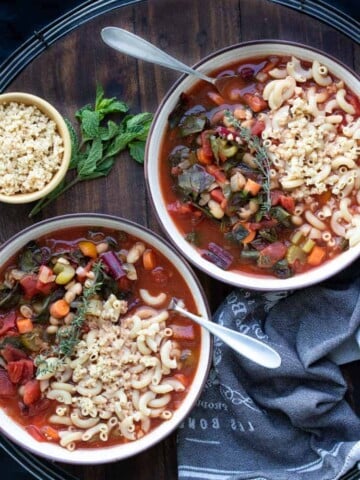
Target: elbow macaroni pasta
312,149
118,374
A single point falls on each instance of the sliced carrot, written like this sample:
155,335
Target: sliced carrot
202,157
88,249
50,433
316,256
252,187
24,325
251,235
59,309
255,102
149,259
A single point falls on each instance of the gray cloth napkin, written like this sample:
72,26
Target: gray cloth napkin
288,423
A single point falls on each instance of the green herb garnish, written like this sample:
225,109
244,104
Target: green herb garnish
69,336
94,153
260,154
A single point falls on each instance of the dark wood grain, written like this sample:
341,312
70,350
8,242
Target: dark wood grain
67,74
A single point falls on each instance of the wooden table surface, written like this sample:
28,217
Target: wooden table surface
67,73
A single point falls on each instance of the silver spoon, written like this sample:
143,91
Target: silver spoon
135,46
249,347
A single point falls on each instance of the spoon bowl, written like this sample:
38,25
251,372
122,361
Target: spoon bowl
249,347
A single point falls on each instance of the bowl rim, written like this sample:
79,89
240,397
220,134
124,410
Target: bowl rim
243,279
49,110
87,456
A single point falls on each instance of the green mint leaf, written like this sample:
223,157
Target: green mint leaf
140,123
102,170
98,96
89,163
90,124
137,151
111,105
79,113
109,132
105,106
119,143
139,119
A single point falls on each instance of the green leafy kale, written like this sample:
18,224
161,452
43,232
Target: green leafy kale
195,180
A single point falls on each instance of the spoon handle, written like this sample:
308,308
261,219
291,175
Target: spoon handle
130,44
249,347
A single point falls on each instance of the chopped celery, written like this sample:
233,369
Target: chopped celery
229,151
294,254
249,254
64,273
308,245
297,237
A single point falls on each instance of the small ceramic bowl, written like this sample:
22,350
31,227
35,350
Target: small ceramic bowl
116,226
155,160
35,164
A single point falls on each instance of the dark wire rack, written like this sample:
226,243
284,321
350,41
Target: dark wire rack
328,13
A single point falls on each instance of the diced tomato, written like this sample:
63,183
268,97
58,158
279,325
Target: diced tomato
7,388
33,286
28,283
32,392
35,432
7,322
258,127
278,198
81,273
20,371
12,354
271,254
287,202
255,102
45,275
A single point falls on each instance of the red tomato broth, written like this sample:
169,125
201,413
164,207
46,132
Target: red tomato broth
164,278
200,98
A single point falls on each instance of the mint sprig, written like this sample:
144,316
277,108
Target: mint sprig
100,140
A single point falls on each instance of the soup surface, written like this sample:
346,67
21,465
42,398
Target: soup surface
89,353
265,177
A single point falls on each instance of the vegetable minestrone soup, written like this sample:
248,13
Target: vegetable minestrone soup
265,177
89,353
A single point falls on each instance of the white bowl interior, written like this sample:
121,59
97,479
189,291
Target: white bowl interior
211,63
108,454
